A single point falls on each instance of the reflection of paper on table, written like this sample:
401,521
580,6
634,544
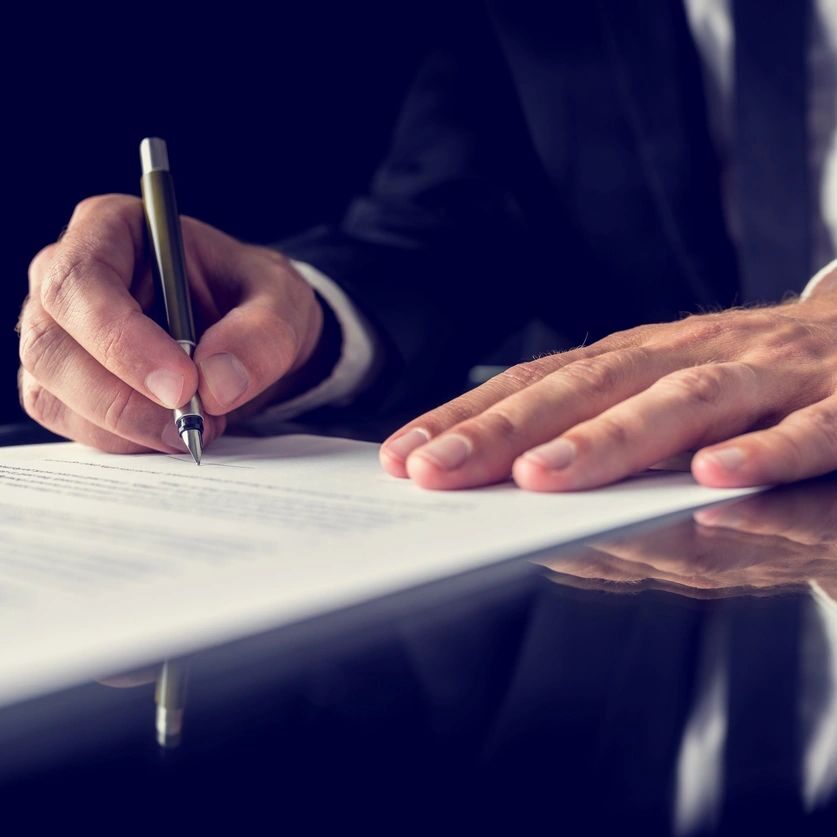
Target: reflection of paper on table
108,561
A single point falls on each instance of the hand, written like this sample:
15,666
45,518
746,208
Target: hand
96,369
753,390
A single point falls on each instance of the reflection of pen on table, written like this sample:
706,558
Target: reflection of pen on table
170,697
169,264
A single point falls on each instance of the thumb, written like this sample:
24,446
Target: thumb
268,334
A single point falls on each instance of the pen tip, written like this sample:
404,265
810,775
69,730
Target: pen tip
194,442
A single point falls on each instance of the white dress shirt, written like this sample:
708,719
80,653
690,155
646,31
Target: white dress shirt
711,25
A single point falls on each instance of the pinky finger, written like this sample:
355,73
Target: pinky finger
47,410
804,444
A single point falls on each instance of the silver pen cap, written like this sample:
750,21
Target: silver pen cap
154,155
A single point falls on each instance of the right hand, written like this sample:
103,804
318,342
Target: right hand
96,369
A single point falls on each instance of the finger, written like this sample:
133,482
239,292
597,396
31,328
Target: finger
681,410
62,367
804,444
141,288
261,339
48,411
396,449
85,289
482,450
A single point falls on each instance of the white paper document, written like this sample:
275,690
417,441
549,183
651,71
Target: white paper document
111,561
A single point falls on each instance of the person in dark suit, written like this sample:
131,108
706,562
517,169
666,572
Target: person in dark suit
585,163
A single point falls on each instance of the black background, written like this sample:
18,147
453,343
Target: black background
274,116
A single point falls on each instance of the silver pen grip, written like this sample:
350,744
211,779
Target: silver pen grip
189,416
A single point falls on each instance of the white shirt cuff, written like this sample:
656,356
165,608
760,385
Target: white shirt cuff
828,270
357,353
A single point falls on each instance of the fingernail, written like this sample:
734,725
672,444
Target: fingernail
553,455
706,517
447,452
225,377
166,387
171,438
717,516
728,458
404,445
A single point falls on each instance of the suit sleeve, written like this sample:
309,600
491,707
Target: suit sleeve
433,255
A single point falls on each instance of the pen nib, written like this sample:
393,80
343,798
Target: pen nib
194,441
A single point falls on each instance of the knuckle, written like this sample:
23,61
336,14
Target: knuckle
454,412
116,410
458,411
817,425
90,204
39,405
62,282
39,262
599,374
494,425
100,213
800,343
612,432
523,375
697,386
786,443
699,329
787,336
115,343
791,333
98,203
628,338
38,342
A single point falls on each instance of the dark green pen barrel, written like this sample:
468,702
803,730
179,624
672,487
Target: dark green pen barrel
167,252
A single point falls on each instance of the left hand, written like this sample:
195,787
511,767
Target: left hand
754,391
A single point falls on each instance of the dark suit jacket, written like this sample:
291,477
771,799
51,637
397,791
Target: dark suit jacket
552,160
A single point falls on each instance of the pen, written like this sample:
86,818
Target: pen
170,696
170,266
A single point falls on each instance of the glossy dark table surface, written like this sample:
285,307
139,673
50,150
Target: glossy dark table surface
678,677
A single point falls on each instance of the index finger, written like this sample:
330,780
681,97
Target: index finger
395,449
85,289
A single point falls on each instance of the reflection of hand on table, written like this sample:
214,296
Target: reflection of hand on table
131,679
773,540
806,514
